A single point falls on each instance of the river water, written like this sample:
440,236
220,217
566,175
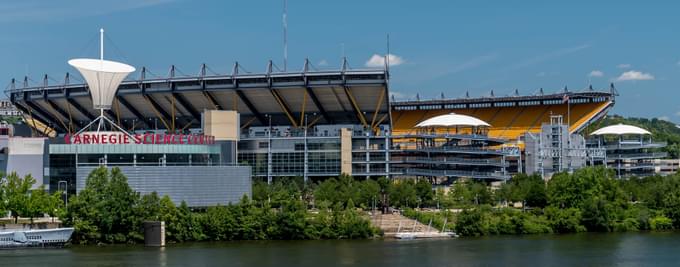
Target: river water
609,249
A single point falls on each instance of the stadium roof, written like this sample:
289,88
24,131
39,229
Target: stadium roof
620,129
453,120
344,96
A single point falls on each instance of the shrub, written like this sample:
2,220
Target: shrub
564,220
661,223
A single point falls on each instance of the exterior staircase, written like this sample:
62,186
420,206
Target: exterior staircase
389,224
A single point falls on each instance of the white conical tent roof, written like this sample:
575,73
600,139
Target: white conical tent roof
452,120
620,129
103,78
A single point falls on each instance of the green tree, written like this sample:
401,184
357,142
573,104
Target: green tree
327,191
403,193
17,199
529,189
565,220
55,206
470,222
670,201
461,194
481,194
292,221
38,203
105,210
369,191
425,192
185,227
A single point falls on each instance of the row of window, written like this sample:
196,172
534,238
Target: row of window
320,162
501,104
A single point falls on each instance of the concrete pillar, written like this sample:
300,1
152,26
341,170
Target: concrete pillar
154,233
346,151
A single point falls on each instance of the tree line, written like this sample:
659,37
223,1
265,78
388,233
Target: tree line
589,199
19,199
108,210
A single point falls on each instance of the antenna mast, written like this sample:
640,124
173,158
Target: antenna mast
285,35
101,44
387,57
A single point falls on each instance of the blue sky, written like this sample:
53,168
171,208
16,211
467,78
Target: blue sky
442,46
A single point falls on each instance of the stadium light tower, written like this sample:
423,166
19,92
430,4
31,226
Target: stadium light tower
103,78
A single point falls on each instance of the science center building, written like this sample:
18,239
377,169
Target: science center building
196,165
197,168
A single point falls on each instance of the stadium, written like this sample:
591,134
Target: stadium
311,124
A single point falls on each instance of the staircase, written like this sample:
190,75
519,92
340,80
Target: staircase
389,224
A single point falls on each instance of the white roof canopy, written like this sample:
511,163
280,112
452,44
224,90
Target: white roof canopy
452,120
103,78
620,129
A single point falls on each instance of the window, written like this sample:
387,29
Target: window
263,145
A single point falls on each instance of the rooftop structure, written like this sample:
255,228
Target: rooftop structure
442,156
621,129
630,149
452,120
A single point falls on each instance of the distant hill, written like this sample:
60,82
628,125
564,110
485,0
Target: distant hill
662,131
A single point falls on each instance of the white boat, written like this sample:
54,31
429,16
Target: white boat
21,238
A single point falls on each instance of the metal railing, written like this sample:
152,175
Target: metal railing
653,155
143,164
635,145
450,160
457,149
457,173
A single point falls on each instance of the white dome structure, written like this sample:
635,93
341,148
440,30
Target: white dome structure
452,120
620,129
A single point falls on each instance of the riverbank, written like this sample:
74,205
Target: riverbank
588,200
583,249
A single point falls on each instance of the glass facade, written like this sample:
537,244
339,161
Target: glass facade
323,148
64,159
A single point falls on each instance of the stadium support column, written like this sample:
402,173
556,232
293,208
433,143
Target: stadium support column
387,154
269,151
368,154
306,167
519,161
346,151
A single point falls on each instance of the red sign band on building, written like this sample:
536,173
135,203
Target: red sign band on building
141,139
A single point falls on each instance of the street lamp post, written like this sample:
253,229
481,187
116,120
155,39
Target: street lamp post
65,192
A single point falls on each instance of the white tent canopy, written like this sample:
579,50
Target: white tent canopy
452,120
620,129
103,78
